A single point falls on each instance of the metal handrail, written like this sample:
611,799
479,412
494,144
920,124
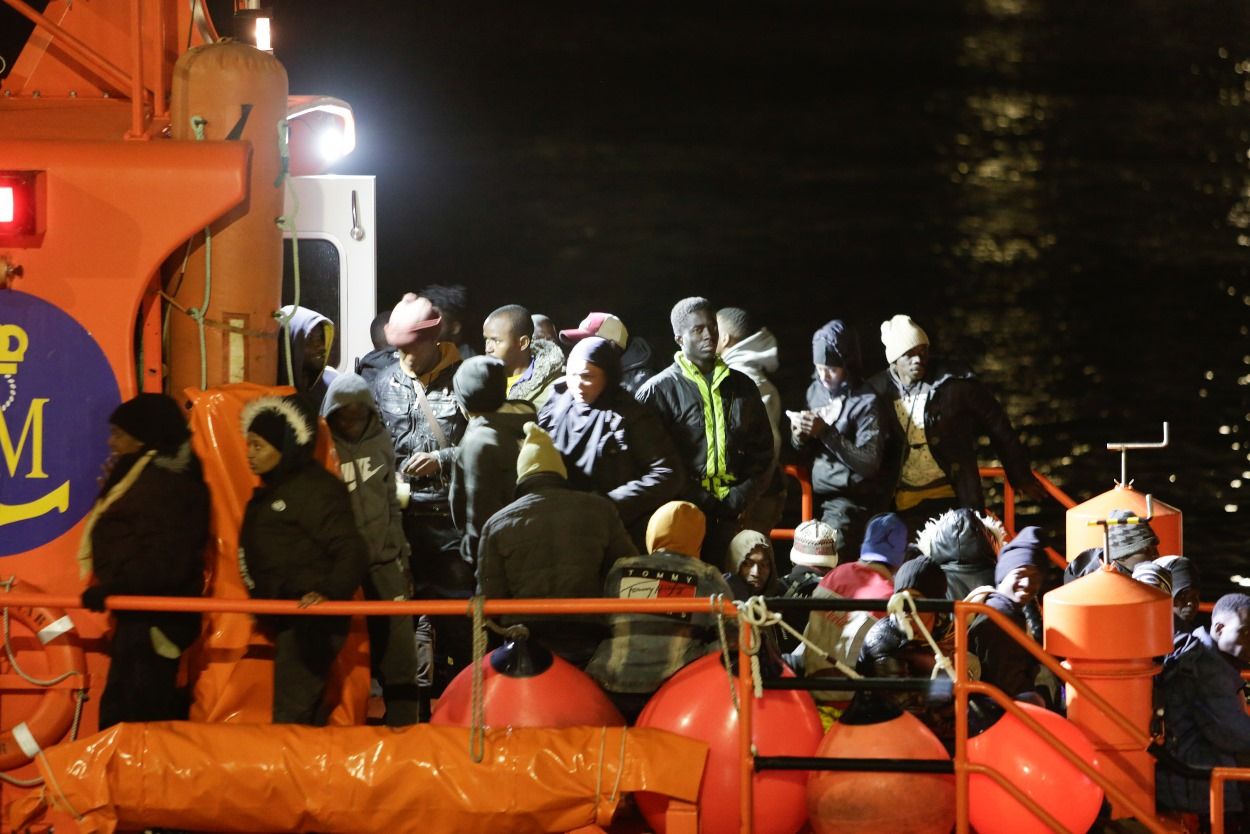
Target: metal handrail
1220,775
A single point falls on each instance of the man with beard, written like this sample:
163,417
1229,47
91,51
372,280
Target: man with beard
718,422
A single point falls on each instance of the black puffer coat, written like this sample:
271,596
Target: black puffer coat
299,535
749,438
636,466
964,547
887,653
150,541
960,409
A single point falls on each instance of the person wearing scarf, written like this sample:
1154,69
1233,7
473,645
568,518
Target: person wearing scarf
146,536
611,444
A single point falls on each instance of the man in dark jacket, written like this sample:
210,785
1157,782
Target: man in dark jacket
533,365
1131,540
146,536
611,443
934,413
841,431
1204,709
717,419
635,350
483,478
298,541
311,337
552,542
1018,577
367,466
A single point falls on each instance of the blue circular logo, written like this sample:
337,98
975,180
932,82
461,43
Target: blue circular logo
56,394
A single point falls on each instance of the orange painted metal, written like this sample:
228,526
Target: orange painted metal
806,502
1110,628
232,87
1220,775
1121,794
1167,521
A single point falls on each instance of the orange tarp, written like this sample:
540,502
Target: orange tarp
231,668
356,780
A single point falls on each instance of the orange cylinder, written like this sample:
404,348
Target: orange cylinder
240,94
1110,628
1081,535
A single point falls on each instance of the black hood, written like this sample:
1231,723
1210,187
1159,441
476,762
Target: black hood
839,338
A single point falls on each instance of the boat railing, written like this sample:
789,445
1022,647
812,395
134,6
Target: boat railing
807,506
749,762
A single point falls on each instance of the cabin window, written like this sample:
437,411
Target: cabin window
320,267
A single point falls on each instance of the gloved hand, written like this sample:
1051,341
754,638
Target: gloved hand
93,598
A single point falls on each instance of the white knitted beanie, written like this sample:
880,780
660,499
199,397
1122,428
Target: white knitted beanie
899,335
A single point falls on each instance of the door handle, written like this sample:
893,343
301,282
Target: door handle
357,233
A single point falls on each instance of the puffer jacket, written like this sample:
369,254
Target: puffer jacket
483,478
636,466
546,367
299,535
636,364
1204,720
150,541
553,542
960,409
847,455
1004,662
367,465
728,466
964,544
408,427
887,653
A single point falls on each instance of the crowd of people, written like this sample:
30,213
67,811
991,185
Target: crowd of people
563,463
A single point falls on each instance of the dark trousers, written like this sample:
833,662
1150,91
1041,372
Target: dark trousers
304,651
393,646
141,685
849,518
440,572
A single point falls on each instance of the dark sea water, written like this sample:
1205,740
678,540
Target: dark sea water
1059,192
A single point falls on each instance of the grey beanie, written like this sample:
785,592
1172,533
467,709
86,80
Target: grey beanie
480,384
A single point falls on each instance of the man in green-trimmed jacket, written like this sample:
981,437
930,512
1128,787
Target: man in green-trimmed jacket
718,422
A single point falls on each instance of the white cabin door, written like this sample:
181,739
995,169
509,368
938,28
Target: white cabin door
336,230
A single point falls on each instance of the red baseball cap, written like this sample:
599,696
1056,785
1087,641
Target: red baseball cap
412,316
603,325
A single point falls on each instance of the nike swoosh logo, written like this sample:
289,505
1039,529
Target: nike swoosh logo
364,470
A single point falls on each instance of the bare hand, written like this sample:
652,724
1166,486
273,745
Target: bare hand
808,425
310,598
422,465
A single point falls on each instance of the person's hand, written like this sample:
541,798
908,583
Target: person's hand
93,598
311,598
808,425
422,465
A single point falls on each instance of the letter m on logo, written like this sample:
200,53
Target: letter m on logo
32,430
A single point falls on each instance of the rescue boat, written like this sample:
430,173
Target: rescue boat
156,182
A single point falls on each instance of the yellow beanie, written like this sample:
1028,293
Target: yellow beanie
538,454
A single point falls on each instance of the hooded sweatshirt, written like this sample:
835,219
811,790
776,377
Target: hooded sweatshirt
367,466
742,546
303,322
756,356
636,364
483,477
646,649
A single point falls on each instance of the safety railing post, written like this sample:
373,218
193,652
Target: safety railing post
961,722
746,751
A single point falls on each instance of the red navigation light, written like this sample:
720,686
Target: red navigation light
21,207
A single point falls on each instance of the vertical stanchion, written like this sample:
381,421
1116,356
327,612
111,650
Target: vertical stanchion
746,753
961,721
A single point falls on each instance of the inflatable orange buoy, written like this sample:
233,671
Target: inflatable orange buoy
695,703
1037,769
527,686
54,716
868,803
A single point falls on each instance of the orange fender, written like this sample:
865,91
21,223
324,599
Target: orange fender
348,780
54,716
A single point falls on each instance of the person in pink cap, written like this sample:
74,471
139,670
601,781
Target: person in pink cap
635,352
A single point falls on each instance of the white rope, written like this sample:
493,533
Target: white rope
754,612
902,607
718,604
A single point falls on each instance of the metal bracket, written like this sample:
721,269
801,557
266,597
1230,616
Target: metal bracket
1123,448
